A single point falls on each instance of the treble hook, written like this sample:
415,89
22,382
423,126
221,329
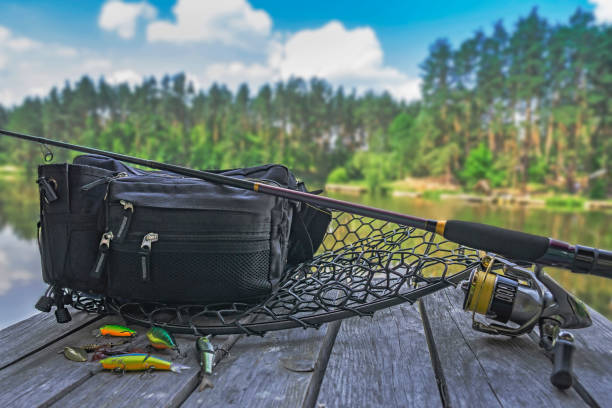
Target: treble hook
46,152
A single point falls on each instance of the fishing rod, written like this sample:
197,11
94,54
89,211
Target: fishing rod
512,244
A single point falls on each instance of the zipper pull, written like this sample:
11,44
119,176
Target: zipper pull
47,190
103,248
128,211
148,240
107,237
127,205
145,255
102,180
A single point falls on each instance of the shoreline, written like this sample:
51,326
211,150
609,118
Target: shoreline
553,201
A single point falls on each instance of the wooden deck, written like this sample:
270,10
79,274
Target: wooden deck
421,355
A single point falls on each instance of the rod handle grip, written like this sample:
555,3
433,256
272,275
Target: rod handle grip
508,243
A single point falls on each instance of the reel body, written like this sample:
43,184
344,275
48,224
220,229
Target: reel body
513,299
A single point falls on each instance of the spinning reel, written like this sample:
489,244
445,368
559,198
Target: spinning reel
508,293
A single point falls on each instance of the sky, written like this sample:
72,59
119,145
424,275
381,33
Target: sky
360,45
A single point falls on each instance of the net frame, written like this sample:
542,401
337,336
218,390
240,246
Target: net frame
363,265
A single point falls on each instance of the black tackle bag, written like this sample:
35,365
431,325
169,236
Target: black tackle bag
111,229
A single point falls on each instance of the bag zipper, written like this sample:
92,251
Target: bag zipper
103,180
128,211
145,255
103,248
262,236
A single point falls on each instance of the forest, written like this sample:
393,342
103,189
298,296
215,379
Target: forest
518,106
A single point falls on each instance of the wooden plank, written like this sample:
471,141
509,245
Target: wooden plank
43,377
158,389
273,371
36,332
381,361
482,370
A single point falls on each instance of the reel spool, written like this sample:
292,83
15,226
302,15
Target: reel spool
513,299
505,295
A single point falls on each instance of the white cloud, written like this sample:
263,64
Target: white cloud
95,65
330,51
10,44
64,51
121,17
5,34
603,10
343,56
202,42
353,58
128,76
22,44
230,22
236,73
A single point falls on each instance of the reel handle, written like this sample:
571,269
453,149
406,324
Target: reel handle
563,350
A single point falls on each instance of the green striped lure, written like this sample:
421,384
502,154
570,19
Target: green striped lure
161,339
206,353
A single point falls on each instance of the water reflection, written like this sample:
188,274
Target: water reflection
21,283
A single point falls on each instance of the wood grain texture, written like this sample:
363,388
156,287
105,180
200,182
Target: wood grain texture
38,331
483,370
158,389
381,361
46,375
255,374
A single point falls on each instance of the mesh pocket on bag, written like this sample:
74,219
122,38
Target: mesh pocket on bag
191,275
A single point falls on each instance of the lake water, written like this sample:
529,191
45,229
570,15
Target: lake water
21,282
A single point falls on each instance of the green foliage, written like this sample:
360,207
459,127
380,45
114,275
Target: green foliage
377,170
538,170
304,125
338,175
480,165
569,202
598,189
435,195
403,140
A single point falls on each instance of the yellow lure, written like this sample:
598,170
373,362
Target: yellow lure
139,362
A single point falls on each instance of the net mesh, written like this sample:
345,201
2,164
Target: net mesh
363,265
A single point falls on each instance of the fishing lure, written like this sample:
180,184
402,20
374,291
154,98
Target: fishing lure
161,339
104,353
75,354
114,330
90,348
206,353
140,362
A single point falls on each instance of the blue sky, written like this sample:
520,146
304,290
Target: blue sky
359,44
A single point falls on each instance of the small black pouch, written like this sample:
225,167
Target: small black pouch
71,223
307,230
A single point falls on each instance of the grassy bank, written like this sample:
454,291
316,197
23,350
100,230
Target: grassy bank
437,190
